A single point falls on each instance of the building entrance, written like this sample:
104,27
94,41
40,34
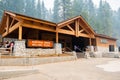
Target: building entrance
80,43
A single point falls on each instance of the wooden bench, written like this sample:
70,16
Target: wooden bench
5,51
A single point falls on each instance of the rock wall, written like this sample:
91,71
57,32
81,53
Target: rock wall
26,61
102,49
104,52
21,50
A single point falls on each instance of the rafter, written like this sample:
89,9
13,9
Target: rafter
7,24
85,29
60,25
84,35
66,32
36,20
13,19
81,30
15,26
70,28
10,13
77,28
39,26
12,29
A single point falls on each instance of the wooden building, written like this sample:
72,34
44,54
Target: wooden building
66,34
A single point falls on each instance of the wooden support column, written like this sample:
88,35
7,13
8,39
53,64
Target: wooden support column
77,28
20,33
90,42
56,35
7,24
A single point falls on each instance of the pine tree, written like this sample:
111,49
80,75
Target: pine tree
116,27
12,5
49,15
77,7
100,16
38,15
105,18
66,8
91,14
56,9
30,8
43,11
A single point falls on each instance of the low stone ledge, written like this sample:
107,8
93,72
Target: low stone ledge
111,55
34,61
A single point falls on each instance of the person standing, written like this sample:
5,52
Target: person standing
12,46
87,55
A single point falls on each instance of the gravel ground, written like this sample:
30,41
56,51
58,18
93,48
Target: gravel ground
81,69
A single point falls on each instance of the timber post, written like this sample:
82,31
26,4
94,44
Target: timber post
20,33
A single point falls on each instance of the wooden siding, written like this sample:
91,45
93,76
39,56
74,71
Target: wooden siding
106,43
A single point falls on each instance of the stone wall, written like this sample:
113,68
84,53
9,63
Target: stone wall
106,49
58,48
21,50
34,61
104,52
102,49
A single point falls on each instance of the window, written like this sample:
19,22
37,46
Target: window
119,49
104,41
111,48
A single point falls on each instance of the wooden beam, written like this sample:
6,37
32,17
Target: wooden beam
20,33
76,28
11,29
91,30
57,35
66,32
85,29
10,13
36,20
81,30
68,21
4,34
18,19
7,24
14,27
70,28
40,27
90,43
12,22
84,35
63,24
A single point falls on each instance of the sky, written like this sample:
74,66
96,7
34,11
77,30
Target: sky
115,4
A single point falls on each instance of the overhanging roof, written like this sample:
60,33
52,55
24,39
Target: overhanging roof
104,36
81,21
17,15
21,17
24,17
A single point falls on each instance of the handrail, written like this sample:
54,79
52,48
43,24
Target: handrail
69,49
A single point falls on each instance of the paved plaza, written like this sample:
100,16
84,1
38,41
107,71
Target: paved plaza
81,69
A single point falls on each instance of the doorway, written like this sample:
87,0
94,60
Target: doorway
80,43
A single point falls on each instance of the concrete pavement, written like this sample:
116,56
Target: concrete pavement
81,69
